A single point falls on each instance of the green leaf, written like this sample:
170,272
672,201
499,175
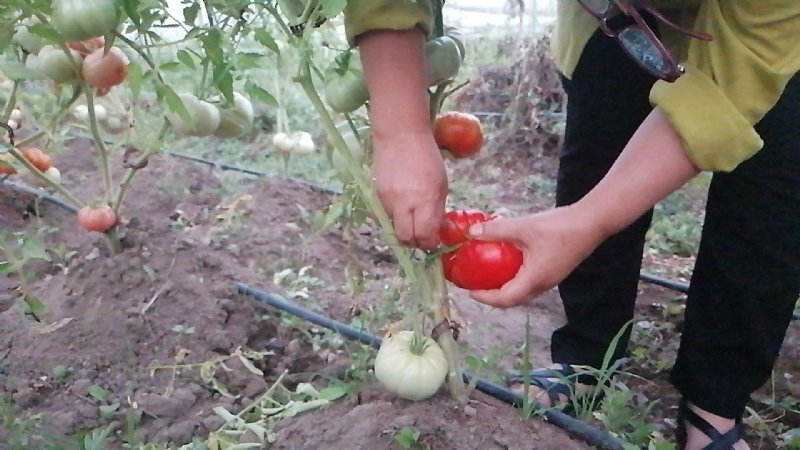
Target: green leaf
248,60
174,103
108,410
135,79
34,306
263,37
15,70
406,437
132,10
332,8
186,58
98,393
223,79
33,248
260,94
332,393
190,13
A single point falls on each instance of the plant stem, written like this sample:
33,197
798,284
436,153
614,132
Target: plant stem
101,146
12,101
427,285
126,181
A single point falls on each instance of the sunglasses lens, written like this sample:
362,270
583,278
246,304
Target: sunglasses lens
596,6
639,45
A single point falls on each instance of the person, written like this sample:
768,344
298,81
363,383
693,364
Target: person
638,127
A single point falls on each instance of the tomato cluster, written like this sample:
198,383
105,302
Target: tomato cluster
476,264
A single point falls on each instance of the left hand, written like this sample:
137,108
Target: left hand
553,243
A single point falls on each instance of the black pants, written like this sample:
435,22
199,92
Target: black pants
747,276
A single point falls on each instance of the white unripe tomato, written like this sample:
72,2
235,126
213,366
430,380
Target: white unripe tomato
56,65
303,144
410,375
283,142
236,119
205,117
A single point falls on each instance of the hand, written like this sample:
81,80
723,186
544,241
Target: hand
553,243
411,183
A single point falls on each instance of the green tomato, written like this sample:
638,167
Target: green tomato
205,117
345,87
78,20
444,59
457,36
23,37
408,375
236,119
56,65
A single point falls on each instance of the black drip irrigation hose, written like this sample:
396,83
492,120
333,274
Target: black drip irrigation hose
21,187
664,282
574,427
255,173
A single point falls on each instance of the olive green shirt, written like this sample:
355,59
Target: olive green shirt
729,85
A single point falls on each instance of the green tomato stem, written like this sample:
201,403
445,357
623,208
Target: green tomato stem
98,141
12,100
123,187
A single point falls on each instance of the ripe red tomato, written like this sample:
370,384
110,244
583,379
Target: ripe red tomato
38,158
476,264
88,46
98,219
105,70
459,133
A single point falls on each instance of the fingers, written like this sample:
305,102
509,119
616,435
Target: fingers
497,230
427,220
404,227
520,290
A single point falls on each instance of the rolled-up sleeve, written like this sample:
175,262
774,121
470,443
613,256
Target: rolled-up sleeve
733,81
362,16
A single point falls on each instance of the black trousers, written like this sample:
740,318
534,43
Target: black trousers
747,276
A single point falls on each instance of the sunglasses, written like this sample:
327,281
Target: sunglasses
638,39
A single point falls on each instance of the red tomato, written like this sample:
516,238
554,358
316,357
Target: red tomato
476,264
105,70
98,219
38,158
459,133
88,46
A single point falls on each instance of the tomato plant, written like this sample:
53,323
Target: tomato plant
459,133
476,264
99,219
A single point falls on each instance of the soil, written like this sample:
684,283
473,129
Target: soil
121,331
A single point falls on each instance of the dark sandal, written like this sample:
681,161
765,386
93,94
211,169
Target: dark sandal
719,441
565,379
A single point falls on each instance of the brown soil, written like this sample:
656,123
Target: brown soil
190,233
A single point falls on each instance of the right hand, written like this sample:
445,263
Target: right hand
411,183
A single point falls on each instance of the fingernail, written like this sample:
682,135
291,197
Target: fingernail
476,230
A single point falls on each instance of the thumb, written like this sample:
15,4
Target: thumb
496,230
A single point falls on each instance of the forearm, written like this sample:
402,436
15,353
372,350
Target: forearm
394,68
652,165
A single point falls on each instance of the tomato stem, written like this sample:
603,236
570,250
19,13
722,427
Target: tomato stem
429,286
